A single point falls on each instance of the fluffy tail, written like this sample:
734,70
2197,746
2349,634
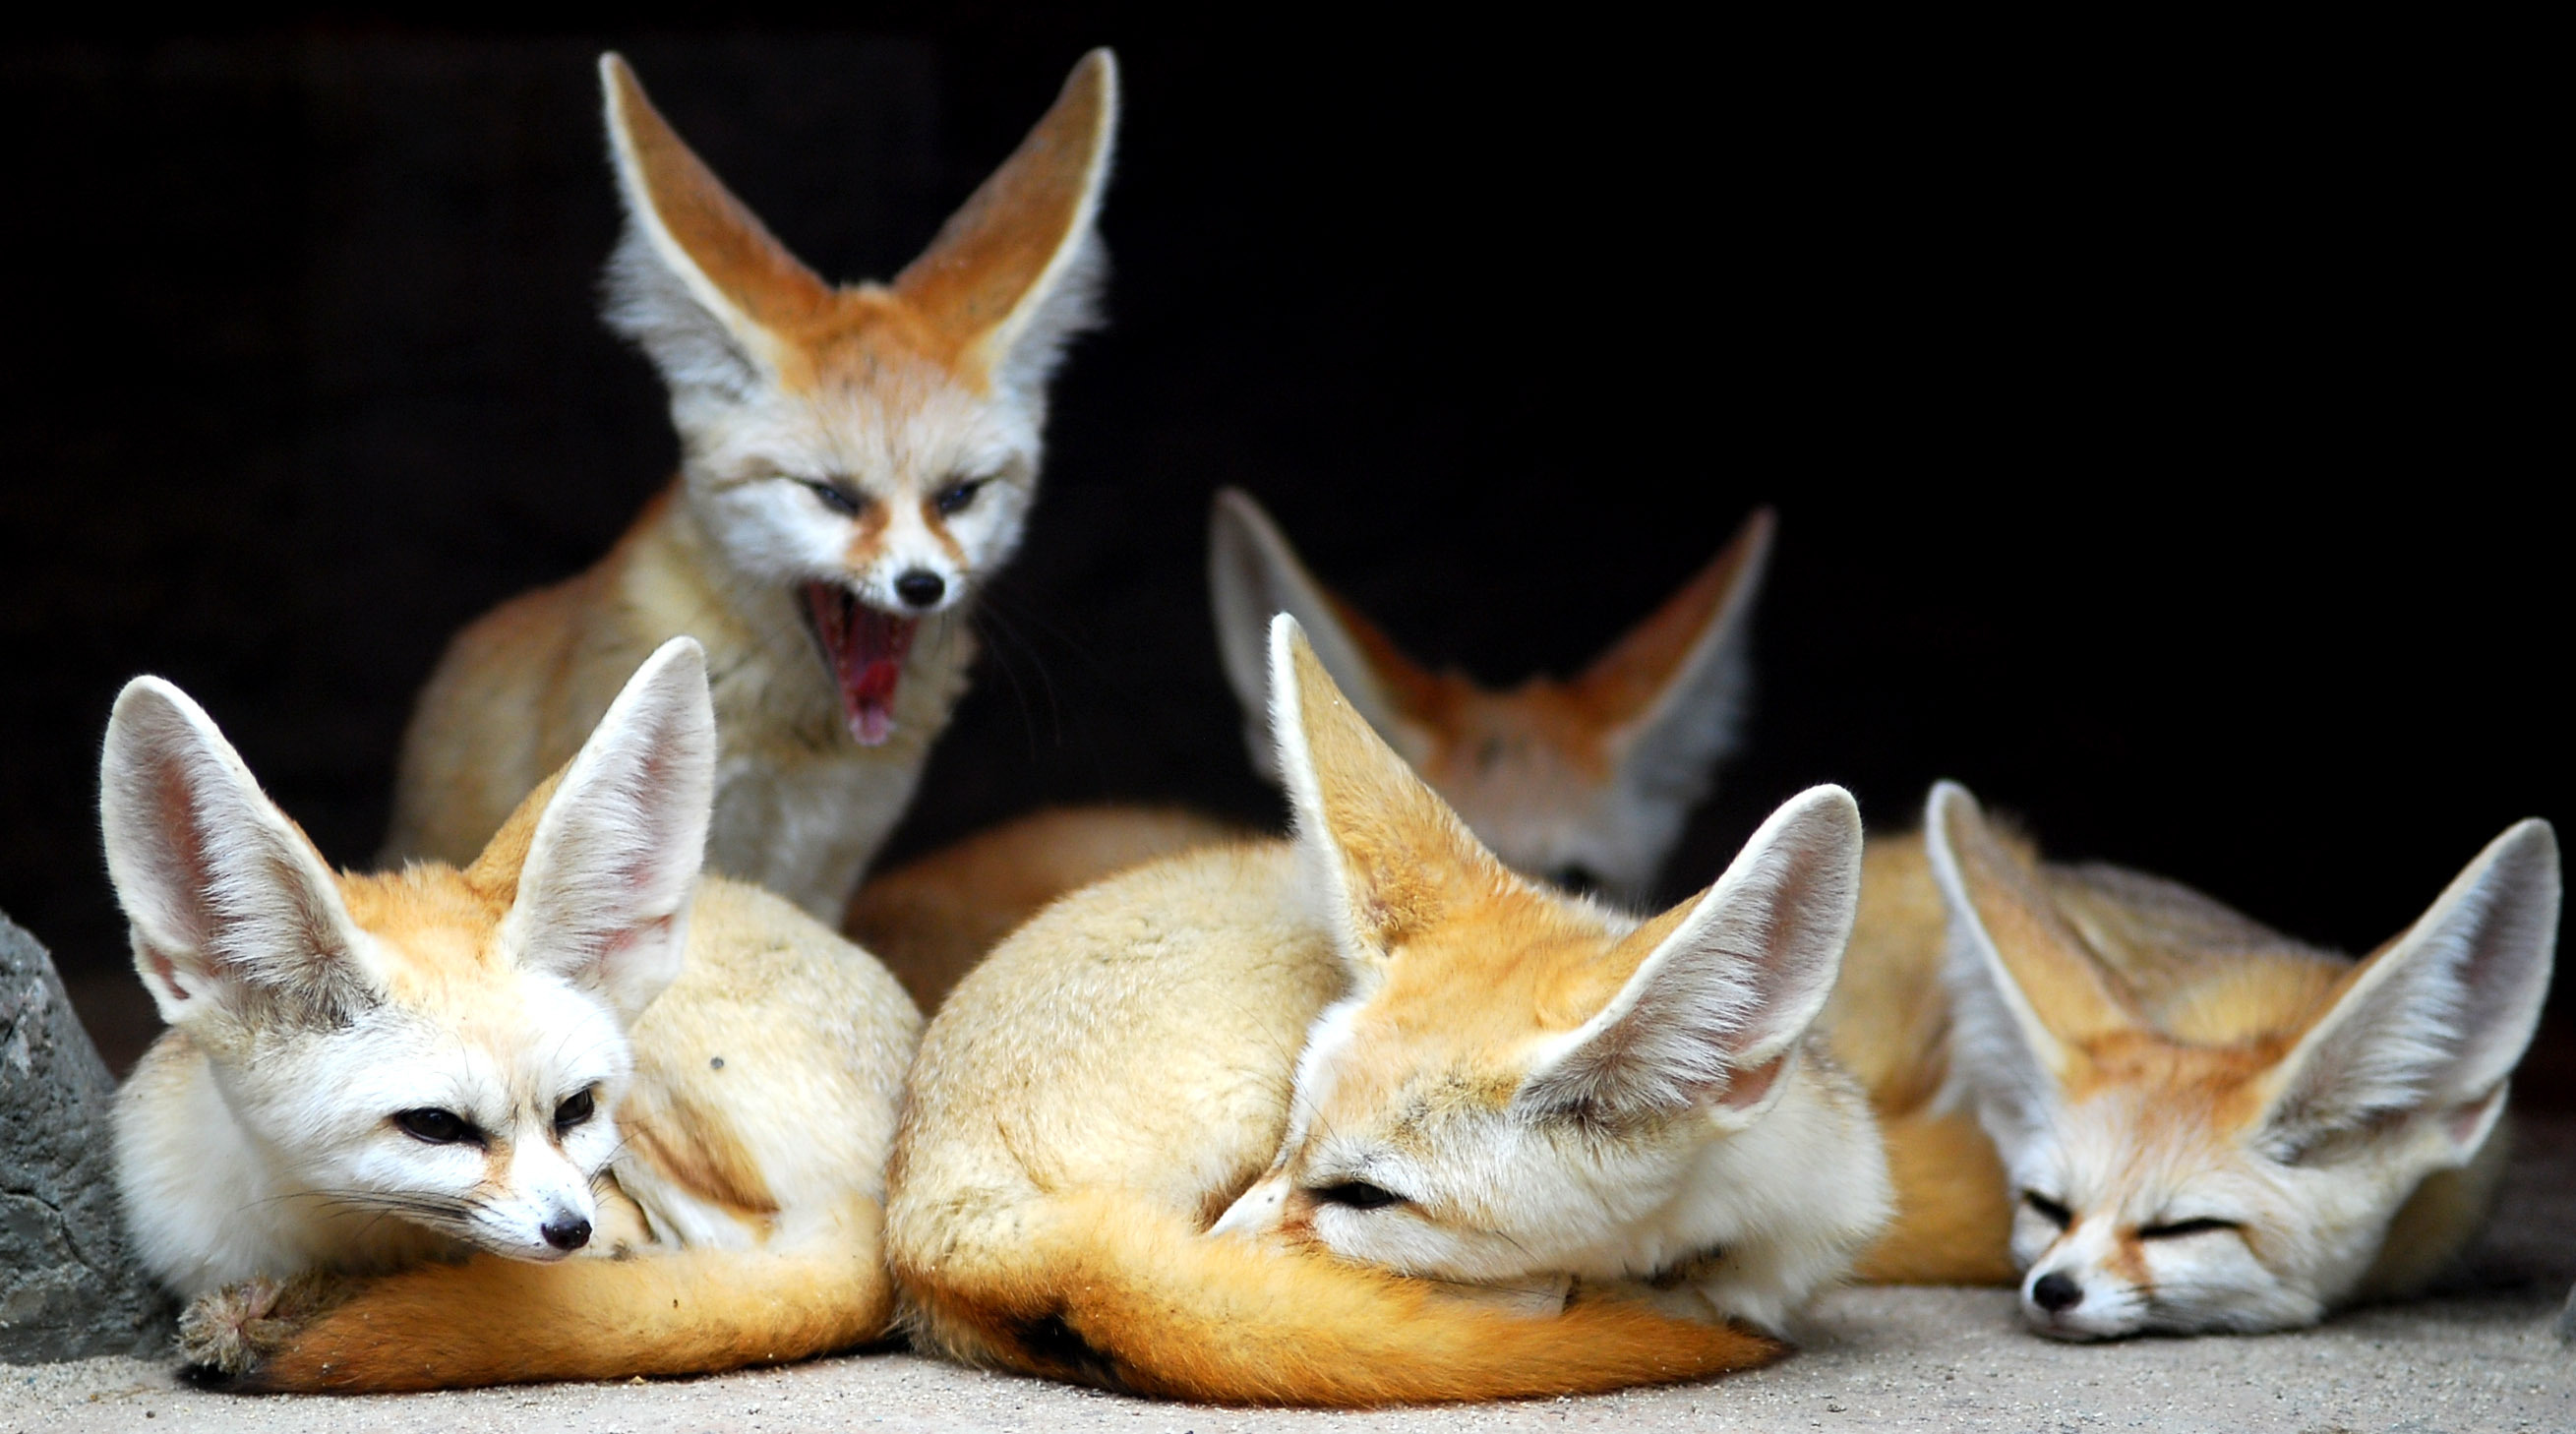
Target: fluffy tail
1954,1208
494,1321
1126,1296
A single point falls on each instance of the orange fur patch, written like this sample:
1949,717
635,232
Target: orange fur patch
942,307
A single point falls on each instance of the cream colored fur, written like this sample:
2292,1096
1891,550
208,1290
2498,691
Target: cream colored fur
1230,1031
842,441
733,1065
2208,1126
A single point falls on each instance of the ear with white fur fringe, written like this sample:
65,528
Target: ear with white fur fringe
697,279
1730,982
230,904
1382,854
1015,271
603,897
716,299
2025,993
1676,687
1253,576
2435,1021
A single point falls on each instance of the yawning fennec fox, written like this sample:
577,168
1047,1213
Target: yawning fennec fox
370,1078
855,461
1585,783
1531,1145
2204,1125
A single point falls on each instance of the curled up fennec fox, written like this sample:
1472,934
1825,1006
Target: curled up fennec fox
2203,1124
1364,1117
396,1116
855,462
1584,782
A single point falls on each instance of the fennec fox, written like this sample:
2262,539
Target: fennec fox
855,461
1364,1117
2203,1124
390,1110
1585,783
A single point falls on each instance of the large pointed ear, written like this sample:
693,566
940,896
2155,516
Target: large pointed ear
1383,855
697,280
2026,995
1671,694
603,896
1013,274
231,906
1253,576
2436,1020
1729,982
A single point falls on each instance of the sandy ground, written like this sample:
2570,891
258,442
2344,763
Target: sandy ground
2482,1356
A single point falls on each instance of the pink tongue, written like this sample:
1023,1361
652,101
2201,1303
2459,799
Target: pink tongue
867,648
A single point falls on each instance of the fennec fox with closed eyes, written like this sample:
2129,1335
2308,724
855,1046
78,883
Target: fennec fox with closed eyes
1364,1117
2203,1125
855,461
396,1116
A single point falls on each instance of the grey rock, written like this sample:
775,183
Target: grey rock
2567,1319
69,1286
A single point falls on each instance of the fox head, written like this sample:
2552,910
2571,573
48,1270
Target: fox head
2219,1140
441,1047
860,454
1519,1083
1584,783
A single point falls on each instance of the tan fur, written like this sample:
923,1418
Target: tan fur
786,1140
1544,746
1051,1187
1954,1207
885,390
2161,1009
2229,995
1888,1023
489,1321
1119,1072
932,918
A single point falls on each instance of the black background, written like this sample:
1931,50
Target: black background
2150,416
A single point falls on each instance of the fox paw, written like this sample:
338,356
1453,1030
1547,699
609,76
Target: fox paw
226,1336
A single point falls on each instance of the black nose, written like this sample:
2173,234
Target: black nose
569,1234
920,587
2054,1292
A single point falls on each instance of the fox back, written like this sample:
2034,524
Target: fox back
370,1078
2208,1126
1366,1117
855,461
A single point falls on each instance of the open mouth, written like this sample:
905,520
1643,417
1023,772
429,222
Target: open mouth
866,650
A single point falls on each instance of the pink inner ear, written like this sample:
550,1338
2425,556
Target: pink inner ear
2461,1124
165,976
1746,1088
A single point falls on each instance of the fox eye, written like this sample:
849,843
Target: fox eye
835,497
2179,1228
438,1127
957,497
1356,1195
2048,1209
575,1110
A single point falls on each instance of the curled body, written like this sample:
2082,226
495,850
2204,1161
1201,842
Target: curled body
570,1112
2191,1122
1364,1117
